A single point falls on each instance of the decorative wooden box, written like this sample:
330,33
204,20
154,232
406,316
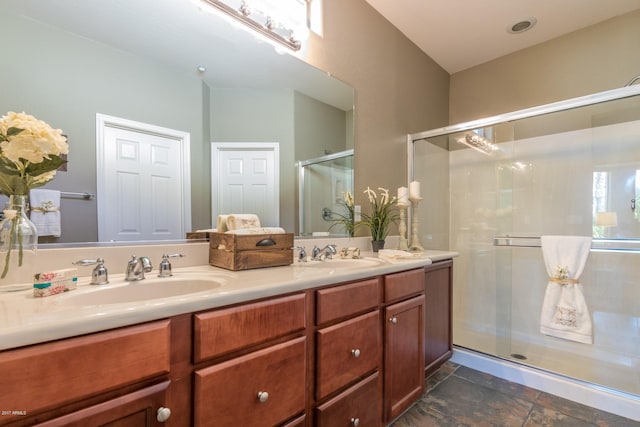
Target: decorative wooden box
247,251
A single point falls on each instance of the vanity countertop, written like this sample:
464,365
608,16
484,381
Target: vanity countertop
26,320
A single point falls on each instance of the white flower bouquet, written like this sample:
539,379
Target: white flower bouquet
30,154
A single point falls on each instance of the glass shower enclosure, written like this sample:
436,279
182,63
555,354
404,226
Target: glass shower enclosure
497,185
322,184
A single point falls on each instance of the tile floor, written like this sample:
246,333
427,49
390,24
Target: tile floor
459,396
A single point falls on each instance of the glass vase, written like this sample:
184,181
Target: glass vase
17,233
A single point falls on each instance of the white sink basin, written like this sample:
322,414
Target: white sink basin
336,263
144,290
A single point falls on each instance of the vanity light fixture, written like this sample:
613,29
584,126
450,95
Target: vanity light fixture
283,22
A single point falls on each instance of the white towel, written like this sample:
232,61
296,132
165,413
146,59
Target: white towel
395,255
564,310
221,225
258,230
240,221
45,211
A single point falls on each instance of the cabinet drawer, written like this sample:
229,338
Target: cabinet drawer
71,369
346,300
358,405
227,393
346,352
404,284
222,331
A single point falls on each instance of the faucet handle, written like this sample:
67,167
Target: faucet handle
99,276
302,257
165,266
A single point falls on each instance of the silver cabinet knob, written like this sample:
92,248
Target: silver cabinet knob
263,396
355,352
393,320
355,422
163,414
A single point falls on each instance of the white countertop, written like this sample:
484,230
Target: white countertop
26,320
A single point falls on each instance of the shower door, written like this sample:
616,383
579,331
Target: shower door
572,172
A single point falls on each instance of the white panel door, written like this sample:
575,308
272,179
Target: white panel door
142,194
245,179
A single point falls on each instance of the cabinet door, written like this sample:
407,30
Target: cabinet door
69,370
403,362
139,408
437,326
263,388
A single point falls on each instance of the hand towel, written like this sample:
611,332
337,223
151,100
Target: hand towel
394,255
258,230
45,211
240,221
564,309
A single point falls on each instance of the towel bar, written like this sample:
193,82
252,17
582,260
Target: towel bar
598,245
85,195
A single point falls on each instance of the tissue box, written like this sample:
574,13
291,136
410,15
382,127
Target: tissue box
54,282
247,251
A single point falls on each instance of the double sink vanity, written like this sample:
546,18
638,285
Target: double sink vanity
344,342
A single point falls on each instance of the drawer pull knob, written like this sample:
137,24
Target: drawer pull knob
393,320
163,414
355,422
355,352
266,242
263,396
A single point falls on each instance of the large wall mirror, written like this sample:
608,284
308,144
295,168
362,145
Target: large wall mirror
168,64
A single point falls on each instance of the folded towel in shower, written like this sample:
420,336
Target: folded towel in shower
45,211
564,309
240,221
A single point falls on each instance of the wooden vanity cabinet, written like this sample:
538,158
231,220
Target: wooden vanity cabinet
343,355
348,355
254,370
404,341
438,346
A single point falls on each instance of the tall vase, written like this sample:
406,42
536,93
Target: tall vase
17,233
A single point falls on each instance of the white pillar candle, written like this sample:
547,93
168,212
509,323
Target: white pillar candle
403,196
414,190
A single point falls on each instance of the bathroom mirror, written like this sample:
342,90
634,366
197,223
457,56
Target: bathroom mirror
169,64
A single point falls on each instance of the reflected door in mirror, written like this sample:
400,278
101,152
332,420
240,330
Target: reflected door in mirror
246,180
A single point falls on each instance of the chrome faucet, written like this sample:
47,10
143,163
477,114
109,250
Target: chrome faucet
136,267
99,276
165,266
327,252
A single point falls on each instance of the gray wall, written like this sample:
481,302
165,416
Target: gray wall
319,128
301,125
399,89
72,79
598,58
259,115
